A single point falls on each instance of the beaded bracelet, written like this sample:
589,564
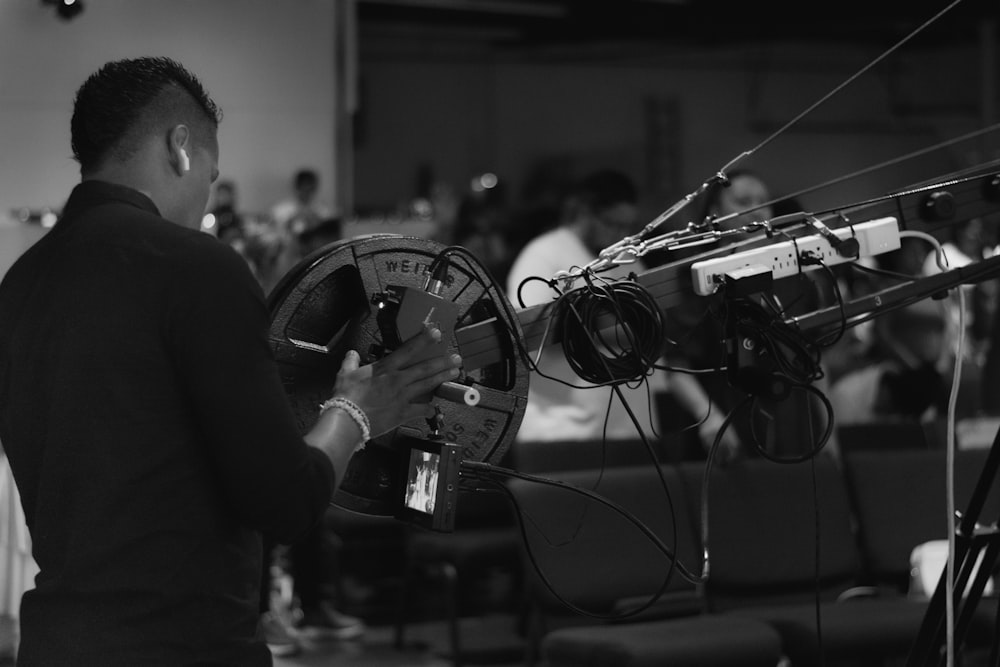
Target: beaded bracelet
354,412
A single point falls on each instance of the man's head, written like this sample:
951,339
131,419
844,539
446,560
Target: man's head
746,194
603,209
306,185
149,124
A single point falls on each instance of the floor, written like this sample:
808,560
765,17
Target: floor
489,634
488,640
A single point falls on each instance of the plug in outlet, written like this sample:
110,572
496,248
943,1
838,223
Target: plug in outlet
874,237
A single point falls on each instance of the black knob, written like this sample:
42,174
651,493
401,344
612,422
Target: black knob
938,206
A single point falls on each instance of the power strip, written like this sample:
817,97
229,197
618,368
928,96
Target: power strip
782,259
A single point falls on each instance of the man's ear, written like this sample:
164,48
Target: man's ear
177,145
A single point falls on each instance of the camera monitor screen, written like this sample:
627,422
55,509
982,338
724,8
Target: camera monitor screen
421,487
429,481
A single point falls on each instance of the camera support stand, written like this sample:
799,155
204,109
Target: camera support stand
974,542
976,550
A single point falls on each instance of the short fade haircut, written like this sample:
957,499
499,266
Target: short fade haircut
127,100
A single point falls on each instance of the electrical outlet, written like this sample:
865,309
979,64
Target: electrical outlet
874,237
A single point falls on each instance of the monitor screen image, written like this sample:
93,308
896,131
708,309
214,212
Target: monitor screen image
421,486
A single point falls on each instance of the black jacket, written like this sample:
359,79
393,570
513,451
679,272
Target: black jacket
150,439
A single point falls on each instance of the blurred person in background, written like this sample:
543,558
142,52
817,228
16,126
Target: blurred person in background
966,243
17,566
902,377
482,225
561,406
302,209
782,425
307,569
326,232
745,199
291,217
229,222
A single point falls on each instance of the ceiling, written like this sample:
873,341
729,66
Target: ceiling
527,23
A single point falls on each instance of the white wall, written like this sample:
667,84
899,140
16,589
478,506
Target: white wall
268,64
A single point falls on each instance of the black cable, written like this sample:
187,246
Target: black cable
895,275
616,339
475,264
629,287
816,448
706,560
793,354
626,351
689,371
704,536
523,283
489,472
555,313
817,551
796,361
823,341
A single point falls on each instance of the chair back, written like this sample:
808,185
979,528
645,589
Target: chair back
900,498
593,556
547,456
776,532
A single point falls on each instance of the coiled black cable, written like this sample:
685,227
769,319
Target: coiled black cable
612,331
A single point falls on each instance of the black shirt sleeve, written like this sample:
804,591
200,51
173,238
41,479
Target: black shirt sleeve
218,325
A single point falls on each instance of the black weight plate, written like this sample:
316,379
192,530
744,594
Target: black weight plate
324,306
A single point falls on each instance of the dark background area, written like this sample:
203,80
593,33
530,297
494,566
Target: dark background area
520,23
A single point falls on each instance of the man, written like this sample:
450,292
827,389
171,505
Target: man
229,222
600,211
291,219
140,406
743,200
903,376
778,425
302,211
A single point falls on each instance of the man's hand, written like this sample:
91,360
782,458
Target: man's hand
396,389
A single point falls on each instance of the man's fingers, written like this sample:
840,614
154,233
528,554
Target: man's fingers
427,384
351,361
431,368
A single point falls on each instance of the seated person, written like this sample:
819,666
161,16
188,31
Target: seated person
601,210
905,377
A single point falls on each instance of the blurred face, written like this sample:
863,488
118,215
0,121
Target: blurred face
744,192
306,191
916,340
224,196
971,238
608,225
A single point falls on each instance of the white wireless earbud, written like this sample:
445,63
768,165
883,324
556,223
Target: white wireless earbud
185,160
